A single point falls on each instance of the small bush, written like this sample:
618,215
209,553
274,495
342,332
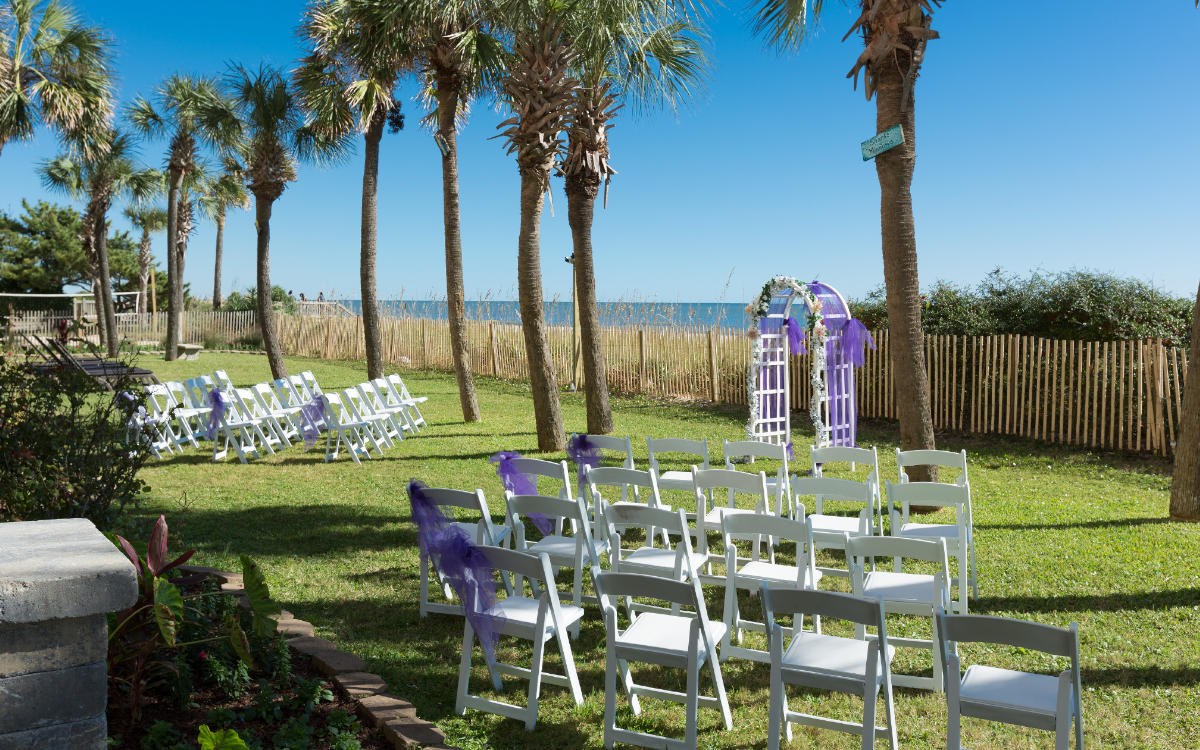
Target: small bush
63,450
252,339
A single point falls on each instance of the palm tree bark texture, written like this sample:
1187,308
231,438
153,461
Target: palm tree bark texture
218,252
1185,482
367,250
584,169
449,86
183,148
264,198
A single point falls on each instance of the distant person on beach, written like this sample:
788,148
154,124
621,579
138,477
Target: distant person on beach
291,296
303,298
320,296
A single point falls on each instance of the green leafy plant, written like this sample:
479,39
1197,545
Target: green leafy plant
226,739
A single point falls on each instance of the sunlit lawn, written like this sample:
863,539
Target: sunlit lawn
1063,536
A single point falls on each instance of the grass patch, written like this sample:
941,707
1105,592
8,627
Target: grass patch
1064,535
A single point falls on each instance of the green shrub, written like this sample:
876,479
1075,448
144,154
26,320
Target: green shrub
63,450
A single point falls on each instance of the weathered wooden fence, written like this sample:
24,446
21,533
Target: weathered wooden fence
1123,395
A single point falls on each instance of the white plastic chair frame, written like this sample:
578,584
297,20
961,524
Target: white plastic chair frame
538,469
708,484
538,619
238,430
668,640
829,531
378,401
780,485
399,391
253,410
959,540
380,429
612,444
677,562
692,449
163,407
833,454
577,551
191,417
946,460
901,593
343,430
820,661
1012,697
151,431
749,573
484,532
223,381
286,418
629,481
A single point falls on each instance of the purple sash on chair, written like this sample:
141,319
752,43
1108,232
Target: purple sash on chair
519,483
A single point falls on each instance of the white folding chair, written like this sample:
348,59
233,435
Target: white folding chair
222,380
828,662
731,484
696,452
399,391
238,431
915,594
342,429
250,407
381,428
146,429
748,451
830,530
844,454
576,551
287,419
634,486
957,535
1022,698
482,532
163,408
678,563
945,460
666,639
622,446
379,404
198,389
749,572
556,473
310,382
192,417
537,618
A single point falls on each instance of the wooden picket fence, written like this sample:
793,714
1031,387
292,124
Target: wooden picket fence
1122,395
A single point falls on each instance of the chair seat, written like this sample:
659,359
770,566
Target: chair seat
714,516
675,480
665,634
1006,689
901,587
657,557
472,530
836,524
560,547
761,570
830,655
521,610
930,530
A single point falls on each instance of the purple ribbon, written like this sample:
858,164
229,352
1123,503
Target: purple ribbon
795,335
790,453
217,402
464,566
519,483
583,454
312,413
854,335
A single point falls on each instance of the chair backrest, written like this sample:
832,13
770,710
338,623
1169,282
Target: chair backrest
398,383
522,564
539,469
749,527
623,515
301,388
829,488
614,444
627,480
248,404
831,604
1007,631
610,585
160,400
335,411
845,454
267,397
288,395
179,393
357,405
522,506
197,389
310,380
221,378
694,449
907,494
371,393
446,497
734,483
941,459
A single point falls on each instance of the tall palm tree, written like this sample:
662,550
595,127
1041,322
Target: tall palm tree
538,88
645,51
147,219
53,68
276,138
1185,481
100,180
894,34
192,111
348,82
216,197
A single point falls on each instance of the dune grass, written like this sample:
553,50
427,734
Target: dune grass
1063,536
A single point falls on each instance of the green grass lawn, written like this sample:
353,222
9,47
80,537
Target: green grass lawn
1062,536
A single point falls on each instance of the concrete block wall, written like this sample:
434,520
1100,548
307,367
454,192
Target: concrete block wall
58,580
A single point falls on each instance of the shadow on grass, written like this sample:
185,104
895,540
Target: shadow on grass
1187,597
1139,677
309,529
1114,523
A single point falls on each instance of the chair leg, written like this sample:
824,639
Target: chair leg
719,687
535,680
464,668
610,695
693,697
424,588
974,569
568,657
776,709
731,616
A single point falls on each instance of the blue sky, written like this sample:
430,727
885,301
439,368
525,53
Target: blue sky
1050,136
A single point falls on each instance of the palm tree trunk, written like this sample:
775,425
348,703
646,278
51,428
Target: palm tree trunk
1185,483
266,307
111,337
216,300
581,204
174,306
144,270
894,169
447,94
366,266
98,298
542,381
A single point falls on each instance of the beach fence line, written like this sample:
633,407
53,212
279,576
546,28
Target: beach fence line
1123,395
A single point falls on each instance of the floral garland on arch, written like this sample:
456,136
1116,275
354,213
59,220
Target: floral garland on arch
816,333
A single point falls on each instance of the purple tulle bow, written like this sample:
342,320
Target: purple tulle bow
312,414
464,566
217,402
583,454
790,453
519,483
854,335
795,335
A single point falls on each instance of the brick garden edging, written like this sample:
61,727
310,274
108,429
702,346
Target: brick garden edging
395,717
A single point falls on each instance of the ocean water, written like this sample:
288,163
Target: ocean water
643,314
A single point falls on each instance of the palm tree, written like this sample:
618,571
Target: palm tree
276,137
107,176
148,219
193,111
348,83
53,68
216,197
647,51
894,34
1185,481
538,88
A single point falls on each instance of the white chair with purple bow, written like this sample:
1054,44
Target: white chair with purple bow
229,427
553,518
